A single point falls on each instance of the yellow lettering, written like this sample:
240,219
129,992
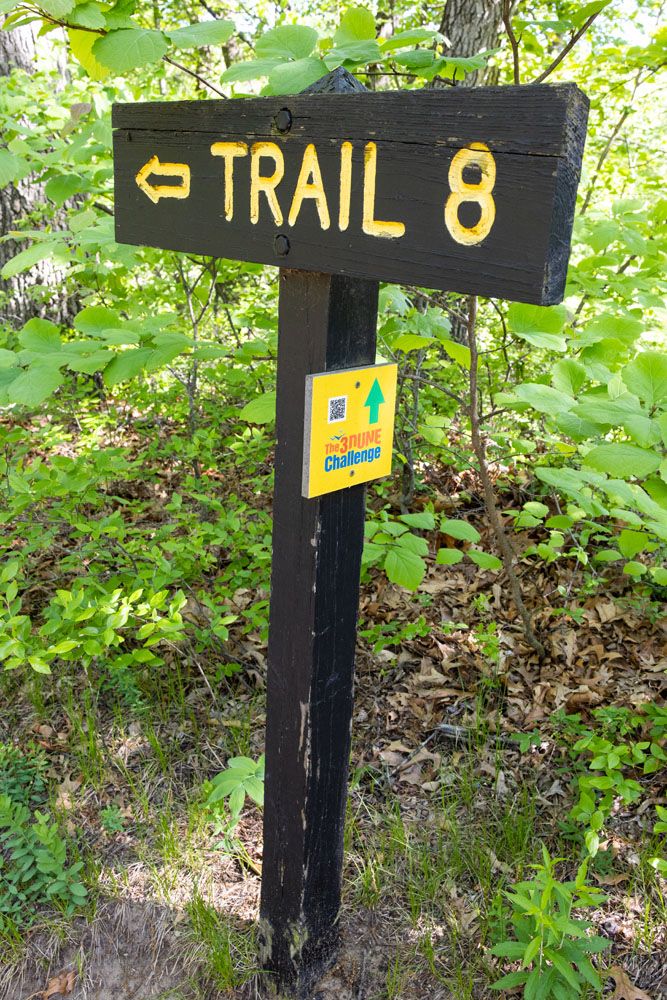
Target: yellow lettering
268,185
345,186
305,188
372,226
476,155
229,151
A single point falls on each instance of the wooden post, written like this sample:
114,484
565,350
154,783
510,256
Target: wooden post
325,322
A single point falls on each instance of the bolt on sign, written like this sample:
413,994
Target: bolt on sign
467,190
349,427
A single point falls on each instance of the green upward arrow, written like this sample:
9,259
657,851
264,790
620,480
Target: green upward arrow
373,402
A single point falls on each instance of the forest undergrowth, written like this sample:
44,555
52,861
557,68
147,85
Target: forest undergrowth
467,758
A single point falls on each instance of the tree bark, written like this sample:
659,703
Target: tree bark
39,291
471,27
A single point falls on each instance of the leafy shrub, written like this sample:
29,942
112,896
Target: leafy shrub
22,776
552,946
33,867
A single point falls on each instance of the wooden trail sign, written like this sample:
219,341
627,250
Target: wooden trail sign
467,190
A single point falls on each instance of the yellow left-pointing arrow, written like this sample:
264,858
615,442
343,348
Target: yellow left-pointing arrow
157,191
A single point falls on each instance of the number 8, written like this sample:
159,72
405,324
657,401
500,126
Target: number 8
476,155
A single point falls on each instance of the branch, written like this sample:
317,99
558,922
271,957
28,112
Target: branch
191,72
570,45
507,21
479,448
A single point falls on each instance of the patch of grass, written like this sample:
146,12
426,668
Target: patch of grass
225,953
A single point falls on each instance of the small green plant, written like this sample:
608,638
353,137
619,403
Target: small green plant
33,867
552,946
111,819
384,635
608,780
241,777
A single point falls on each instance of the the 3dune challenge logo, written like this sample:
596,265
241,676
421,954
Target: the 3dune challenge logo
345,450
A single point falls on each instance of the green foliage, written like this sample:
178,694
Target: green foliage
111,819
34,867
22,775
552,946
242,777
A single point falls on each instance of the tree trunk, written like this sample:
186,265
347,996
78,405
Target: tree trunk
39,291
471,27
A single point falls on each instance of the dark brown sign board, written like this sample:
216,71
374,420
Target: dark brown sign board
468,190
471,191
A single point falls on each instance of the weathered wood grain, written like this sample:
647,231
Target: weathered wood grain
535,133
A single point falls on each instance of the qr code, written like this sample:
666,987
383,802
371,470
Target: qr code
337,409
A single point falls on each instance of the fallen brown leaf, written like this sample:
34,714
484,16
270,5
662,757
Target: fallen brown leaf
625,990
60,985
611,879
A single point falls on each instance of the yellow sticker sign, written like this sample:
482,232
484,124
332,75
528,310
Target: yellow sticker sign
349,428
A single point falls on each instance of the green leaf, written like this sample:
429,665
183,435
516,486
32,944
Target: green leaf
27,258
291,77
126,365
353,54
484,559
129,48
252,70
424,520
459,529
34,385
635,569
416,59
565,969
236,801
412,36
40,336
203,33
404,567
646,376
510,981
539,325
255,789
81,44
508,949
12,168
357,24
289,41
544,398
60,188
631,543
260,410
57,8
457,352
39,665
89,15
449,557
568,376
94,319
623,460
577,17
412,342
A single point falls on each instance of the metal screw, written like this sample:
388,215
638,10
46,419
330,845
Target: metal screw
283,120
281,245
357,385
